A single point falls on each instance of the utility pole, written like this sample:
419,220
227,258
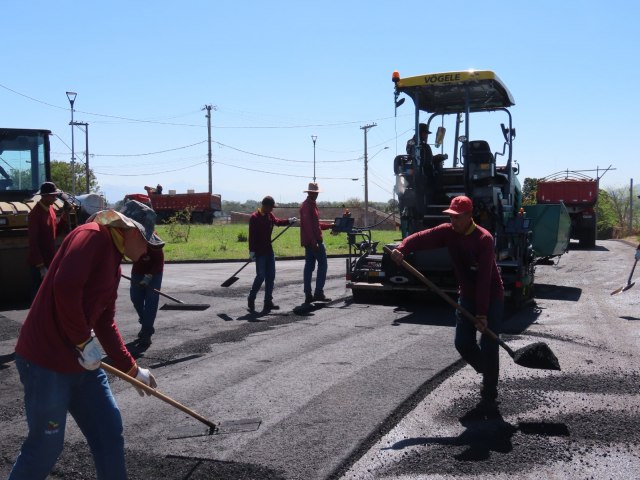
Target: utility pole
86,150
314,138
631,207
366,178
208,108
72,98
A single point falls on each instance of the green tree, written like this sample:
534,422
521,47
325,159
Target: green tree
62,176
529,189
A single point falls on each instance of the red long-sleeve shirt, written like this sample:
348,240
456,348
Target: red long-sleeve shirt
260,229
151,262
78,294
42,235
310,225
473,260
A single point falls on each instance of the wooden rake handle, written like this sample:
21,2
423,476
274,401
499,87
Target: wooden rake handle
451,302
152,391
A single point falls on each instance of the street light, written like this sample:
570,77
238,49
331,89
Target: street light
72,98
314,138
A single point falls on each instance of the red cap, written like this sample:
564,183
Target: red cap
459,205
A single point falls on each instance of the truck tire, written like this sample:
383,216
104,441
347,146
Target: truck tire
587,238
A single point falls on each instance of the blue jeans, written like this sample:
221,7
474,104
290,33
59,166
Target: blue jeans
145,300
485,357
48,396
265,272
310,259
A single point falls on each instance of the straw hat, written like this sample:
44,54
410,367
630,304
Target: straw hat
313,188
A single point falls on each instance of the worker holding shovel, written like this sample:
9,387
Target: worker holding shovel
480,291
57,354
261,251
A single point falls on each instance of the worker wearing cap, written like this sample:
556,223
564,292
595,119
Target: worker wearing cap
57,354
43,228
480,289
261,225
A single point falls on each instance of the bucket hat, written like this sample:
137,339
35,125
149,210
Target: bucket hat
133,215
48,188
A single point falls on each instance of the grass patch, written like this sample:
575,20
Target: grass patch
228,242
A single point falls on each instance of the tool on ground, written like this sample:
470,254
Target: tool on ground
180,305
629,284
536,355
152,391
233,278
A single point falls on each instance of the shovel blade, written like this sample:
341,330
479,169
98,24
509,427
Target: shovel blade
229,281
537,355
185,306
623,289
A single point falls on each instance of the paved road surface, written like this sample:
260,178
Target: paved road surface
330,384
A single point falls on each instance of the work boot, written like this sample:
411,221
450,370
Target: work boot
486,408
251,304
269,305
320,297
308,298
144,340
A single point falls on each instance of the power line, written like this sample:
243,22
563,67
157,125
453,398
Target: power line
281,174
147,173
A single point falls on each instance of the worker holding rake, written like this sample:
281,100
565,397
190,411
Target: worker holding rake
480,290
57,354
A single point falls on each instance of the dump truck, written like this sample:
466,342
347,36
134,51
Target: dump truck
475,107
579,193
202,205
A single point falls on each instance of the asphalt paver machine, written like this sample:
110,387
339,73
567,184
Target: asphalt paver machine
475,159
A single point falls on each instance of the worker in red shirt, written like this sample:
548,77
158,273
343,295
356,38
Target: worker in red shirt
480,290
58,356
261,251
311,239
43,227
146,278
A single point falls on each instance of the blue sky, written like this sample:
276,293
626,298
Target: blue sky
279,72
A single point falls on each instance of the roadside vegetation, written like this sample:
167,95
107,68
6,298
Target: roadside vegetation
229,242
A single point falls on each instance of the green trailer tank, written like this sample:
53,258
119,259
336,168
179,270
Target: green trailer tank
551,227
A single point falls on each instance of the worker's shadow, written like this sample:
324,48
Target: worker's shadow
483,436
479,437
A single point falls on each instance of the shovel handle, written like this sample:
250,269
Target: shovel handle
156,290
632,269
152,391
274,239
465,313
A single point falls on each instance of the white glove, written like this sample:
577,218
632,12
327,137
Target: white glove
144,283
43,271
146,377
90,355
292,220
637,254
252,256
